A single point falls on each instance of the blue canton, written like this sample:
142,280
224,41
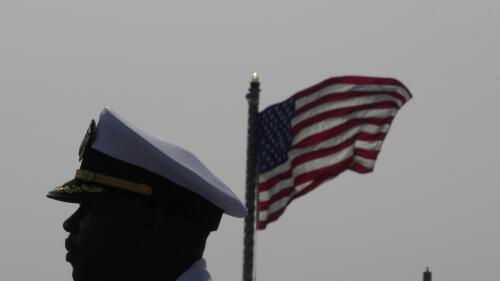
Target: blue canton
274,134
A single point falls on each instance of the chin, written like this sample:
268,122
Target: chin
80,274
76,276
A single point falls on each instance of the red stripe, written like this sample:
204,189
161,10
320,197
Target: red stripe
349,80
334,97
359,168
316,138
364,136
268,184
369,154
336,113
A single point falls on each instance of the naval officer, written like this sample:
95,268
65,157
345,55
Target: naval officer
146,207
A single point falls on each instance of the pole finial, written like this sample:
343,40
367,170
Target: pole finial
255,77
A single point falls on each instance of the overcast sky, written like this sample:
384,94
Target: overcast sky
180,70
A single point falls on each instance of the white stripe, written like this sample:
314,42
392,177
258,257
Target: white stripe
368,145
307,167
342,88
351,102
334,122
278,205
366,128
365,162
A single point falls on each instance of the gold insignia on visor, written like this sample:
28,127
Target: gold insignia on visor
77,189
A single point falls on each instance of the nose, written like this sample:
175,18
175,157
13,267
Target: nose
72,223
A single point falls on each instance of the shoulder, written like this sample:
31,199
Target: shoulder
197,272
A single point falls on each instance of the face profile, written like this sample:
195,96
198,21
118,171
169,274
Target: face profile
126,238
106,236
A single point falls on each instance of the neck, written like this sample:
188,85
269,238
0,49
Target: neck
169,269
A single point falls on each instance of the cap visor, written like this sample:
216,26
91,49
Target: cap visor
76,191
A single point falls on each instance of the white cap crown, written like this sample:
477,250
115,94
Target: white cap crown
121,140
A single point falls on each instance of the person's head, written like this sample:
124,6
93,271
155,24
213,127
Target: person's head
146,207
128,238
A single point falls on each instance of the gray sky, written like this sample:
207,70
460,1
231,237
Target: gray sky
180,70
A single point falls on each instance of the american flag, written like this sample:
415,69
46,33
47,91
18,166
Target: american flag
320,132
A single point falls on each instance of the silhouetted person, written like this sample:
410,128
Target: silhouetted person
146,207
427,275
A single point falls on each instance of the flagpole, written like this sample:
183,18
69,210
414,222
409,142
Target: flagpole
251,179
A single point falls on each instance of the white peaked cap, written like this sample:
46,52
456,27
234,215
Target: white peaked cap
119,139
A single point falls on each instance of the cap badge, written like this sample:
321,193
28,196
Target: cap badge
87,139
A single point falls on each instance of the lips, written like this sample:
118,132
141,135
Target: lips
69,256
69,244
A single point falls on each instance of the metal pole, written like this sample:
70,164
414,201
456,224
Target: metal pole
251,180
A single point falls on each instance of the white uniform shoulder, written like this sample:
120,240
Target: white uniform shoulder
197,272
